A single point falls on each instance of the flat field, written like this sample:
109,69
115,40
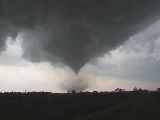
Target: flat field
80,106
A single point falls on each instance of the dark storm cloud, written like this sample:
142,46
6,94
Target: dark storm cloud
74,31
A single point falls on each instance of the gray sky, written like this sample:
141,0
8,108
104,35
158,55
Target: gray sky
134,63
59,45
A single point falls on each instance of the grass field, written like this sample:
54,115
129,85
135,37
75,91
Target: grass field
80,106
136,108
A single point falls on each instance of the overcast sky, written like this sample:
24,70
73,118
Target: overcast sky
134,63
59,45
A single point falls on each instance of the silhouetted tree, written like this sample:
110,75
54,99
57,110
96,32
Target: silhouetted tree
140,89
95,92
119,90
73,92
158,89
135,89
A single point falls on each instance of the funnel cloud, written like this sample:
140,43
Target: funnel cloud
73,32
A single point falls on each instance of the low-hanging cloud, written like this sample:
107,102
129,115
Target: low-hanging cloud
73,32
